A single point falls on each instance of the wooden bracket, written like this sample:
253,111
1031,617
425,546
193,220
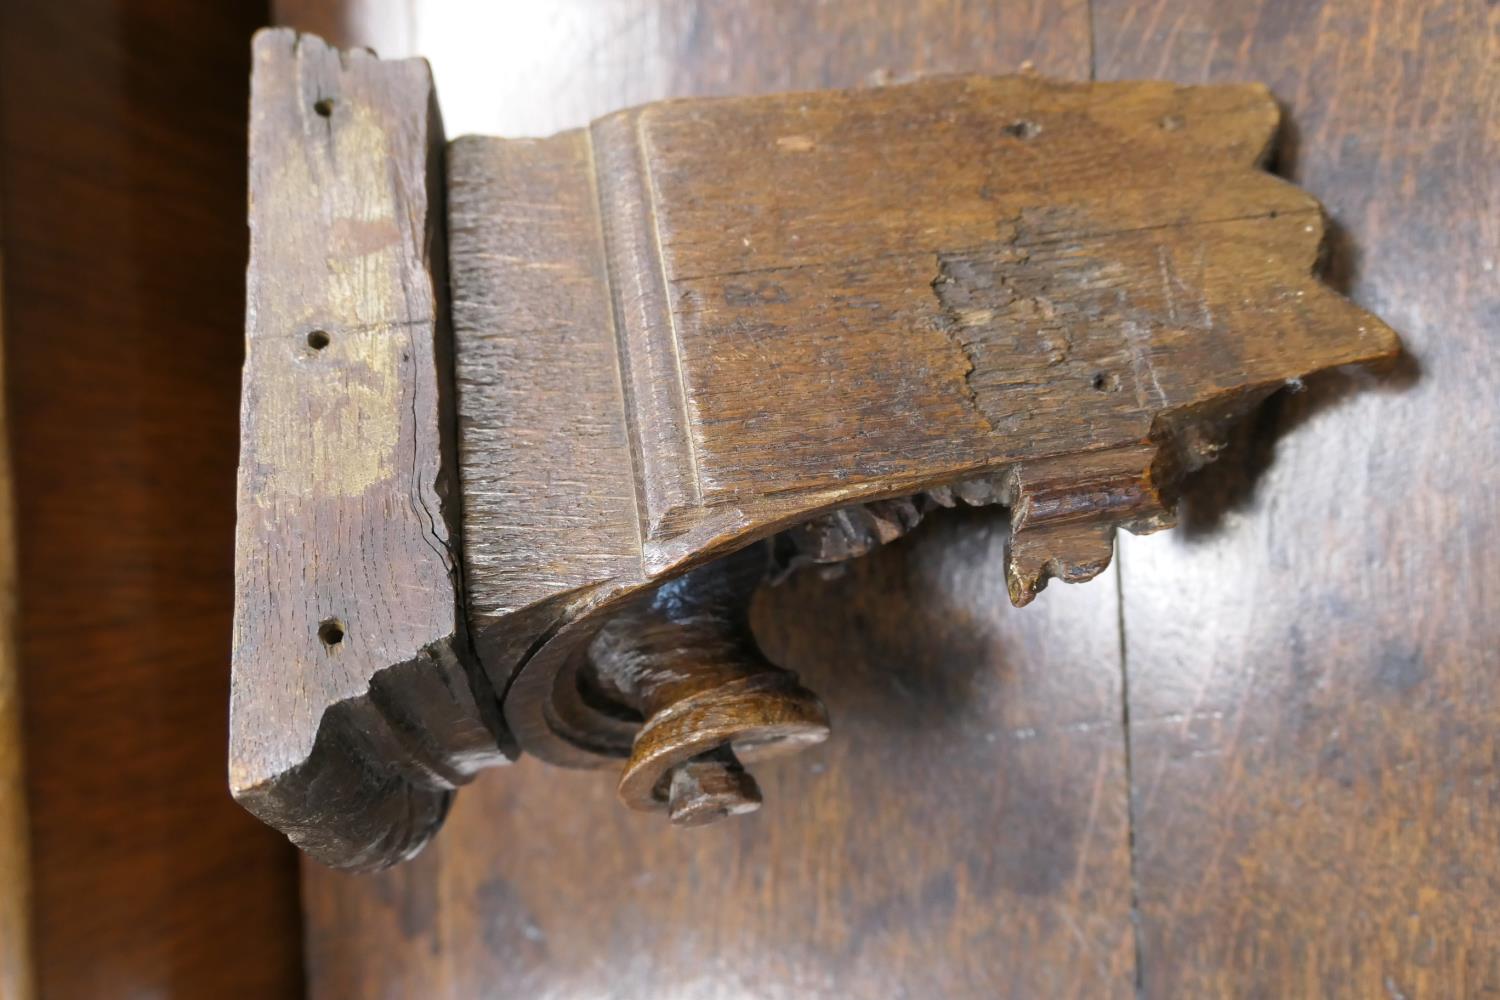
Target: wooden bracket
694,345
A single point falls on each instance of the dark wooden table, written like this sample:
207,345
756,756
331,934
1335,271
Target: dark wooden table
1258,759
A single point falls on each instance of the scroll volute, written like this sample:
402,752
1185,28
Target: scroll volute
515,489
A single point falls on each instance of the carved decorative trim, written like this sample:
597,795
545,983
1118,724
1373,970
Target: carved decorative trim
693,344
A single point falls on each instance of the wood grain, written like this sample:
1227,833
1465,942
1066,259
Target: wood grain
550,492
16,977
122,172
1314,669
702,320
874,869
1315,691
357,704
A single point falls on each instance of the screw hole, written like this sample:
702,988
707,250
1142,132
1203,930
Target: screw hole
1105,382
317,340
331,632
324,107
1022,129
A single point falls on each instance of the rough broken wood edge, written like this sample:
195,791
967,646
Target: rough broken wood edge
377,779
16,977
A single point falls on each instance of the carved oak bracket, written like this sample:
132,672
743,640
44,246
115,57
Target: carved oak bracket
527,421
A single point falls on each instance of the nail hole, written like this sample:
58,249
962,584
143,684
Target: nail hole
1171,123
331,632
324,107
317,340
1022,129
1105,382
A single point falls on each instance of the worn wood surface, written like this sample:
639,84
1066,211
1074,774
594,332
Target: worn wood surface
16,978
357,705
865,873
676,332
924,296
697,322
1314,664
122,173
1006,717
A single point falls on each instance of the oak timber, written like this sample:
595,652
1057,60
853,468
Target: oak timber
356,706
682,330
697,323
1010,721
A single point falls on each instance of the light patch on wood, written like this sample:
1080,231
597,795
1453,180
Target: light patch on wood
353,177
347,445
356,704
350,442
362,151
